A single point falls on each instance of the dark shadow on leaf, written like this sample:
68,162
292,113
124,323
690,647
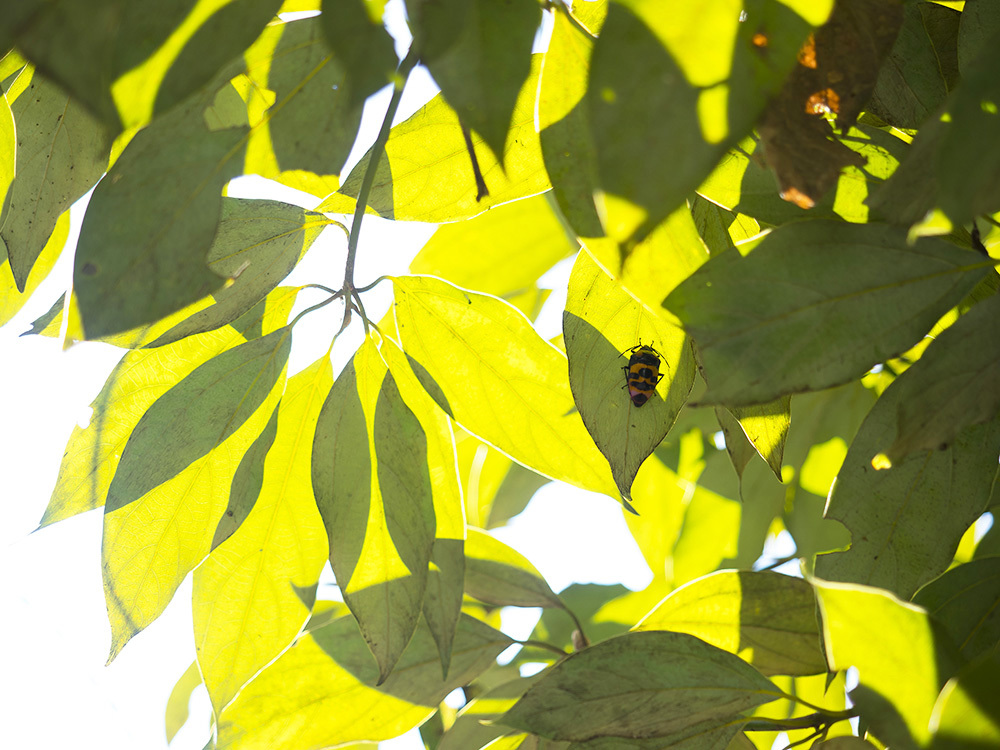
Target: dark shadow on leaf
247,481
570,160
430,385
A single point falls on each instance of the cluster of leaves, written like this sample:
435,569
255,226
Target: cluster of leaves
848,285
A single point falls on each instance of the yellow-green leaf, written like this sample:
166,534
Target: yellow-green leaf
602,324
892,645
468,254
479,52
498,574
322,692
11,300
93,452
172,483
254,592
177,704
425,173
62,150
372,483
967,713
257,244
563,123
498,378
766,427
767,619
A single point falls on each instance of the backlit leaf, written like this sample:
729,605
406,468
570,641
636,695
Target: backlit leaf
486,360
766,426
850,296
967,713
93,452
426,174
257,244
172,483
61,152
362,44
127,63
682,686
324,691
693,76
497,574
11,300
892,645
479,52
372,484
169,182
500,252
563,122
312,94
180,696
602,324
255,591
766,618
906,521
966,601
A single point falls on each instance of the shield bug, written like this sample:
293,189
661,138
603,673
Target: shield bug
642,372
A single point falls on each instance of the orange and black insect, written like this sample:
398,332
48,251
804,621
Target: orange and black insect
642,373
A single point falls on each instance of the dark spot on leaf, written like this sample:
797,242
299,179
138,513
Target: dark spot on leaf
88,269
229,513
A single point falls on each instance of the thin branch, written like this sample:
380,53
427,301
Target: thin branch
543,645
375,156
315,307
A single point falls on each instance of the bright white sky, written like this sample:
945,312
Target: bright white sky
56,691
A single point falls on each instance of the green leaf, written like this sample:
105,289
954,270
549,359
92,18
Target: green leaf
564,125
312,94
93,452
894,648
586,602
766,618
906,521
171,485
180,696
653,684
967,713
11,298
255,591
738,446
486,360
467,253
371,479
127,63
922,67
358,39
696,79
601,325
497,574
516,489
980,20
766,427
61,152
966,601
473,727
954,159
442,605
851,296
479,52
257,244
426,174
169,182
954,384
322,692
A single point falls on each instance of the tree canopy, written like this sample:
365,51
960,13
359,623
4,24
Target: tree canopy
783,219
